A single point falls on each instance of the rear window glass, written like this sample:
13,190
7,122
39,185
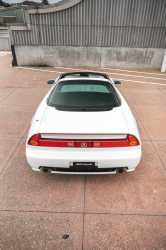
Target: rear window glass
84,95
84,88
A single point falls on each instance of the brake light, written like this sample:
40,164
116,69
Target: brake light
70,144
56,143
34,140
110,144
133,140
130,141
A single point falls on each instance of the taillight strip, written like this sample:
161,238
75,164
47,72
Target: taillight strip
83,136
130,140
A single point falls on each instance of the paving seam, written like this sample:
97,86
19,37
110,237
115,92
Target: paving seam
7,136
113,214
10,136
82,231
14,137
161,92
10,155
83,215
19,105
158,155
14,150
21,136
144,128
16,88
35,88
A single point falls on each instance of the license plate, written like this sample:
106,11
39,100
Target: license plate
84,166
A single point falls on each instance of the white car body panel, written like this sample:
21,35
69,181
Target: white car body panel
55,121
104,157
119,120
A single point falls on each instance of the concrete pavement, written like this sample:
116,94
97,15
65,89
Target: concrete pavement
44,211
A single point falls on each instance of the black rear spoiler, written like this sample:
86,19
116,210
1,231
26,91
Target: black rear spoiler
84,74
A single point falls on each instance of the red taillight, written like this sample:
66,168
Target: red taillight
55,143
133,140
34,140
130,141
70,144
110,144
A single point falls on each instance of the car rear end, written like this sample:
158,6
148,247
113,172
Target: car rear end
84,130
83,154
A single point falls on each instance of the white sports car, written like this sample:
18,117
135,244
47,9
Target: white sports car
83,126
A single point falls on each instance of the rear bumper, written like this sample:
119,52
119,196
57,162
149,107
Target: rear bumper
104,171
128,157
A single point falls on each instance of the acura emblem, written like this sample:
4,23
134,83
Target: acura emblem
83,145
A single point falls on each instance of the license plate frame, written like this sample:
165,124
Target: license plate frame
84,166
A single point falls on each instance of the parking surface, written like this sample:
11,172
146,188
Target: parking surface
44,211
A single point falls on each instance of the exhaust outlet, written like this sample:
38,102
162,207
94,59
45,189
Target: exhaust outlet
120,170
44,169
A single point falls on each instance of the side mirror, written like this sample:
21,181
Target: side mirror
50,82
117,82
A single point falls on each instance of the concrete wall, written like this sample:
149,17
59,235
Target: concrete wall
4,43
99,57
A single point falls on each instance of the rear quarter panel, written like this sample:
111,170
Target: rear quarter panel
130,119
36,119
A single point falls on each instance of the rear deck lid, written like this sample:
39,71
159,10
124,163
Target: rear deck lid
73,122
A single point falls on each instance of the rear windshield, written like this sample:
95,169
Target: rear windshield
81,95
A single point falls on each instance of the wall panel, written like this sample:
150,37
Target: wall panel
106,23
